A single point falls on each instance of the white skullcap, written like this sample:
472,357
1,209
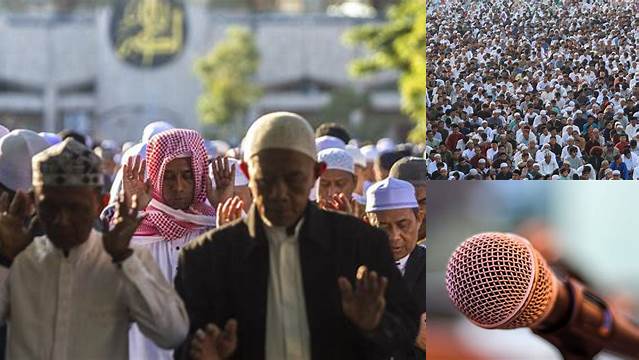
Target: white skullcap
636,115
473,172
554,177
389,194
482,160
280,130
16,150
3,131
385,145
155,128
503,165
327,142
370,152
337,159
616,172
357,155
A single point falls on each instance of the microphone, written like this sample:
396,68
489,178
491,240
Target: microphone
499,281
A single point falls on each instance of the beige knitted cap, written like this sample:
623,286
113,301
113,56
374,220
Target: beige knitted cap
280,130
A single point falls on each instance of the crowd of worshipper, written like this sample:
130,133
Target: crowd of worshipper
533,90
296,244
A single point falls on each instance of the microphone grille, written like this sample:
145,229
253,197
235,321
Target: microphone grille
499,280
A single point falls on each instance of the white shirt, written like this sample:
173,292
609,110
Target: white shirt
632,130
287,332
165,253
548,168
81,306
401,264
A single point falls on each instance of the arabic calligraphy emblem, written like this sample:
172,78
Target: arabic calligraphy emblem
148,33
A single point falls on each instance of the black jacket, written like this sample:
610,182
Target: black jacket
224,273
415,280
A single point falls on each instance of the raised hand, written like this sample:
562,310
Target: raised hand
116,240
338,202
365,305
213,344
224,176
229,211
14,236
133,182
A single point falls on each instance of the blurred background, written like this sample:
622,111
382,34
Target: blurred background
585,228
109,67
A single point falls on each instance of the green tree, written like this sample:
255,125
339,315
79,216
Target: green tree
398,44
227,74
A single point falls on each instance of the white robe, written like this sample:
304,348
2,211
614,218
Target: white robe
166,255
80,306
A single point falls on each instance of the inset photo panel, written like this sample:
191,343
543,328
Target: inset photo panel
539,90
532,270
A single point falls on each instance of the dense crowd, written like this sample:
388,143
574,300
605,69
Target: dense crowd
533,90
298,243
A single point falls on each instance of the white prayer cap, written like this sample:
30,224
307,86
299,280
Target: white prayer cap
503,165
636,115
280,130
327,142
154,128
370,152
16,150
357,155
390,194
385,145
616,172
3,131
337,159
554,177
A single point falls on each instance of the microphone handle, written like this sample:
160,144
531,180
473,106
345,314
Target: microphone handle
581,324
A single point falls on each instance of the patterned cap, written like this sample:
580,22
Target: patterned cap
337,159
174,144
68,163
